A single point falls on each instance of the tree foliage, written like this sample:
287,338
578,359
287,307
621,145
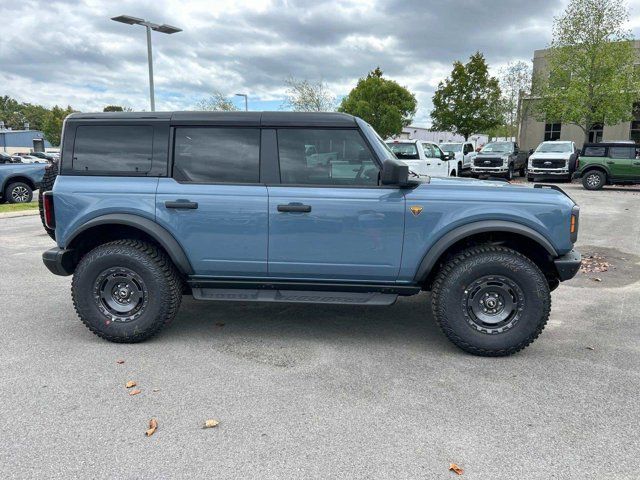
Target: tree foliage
384,104
591,77
15,114
216,102
306,96
468,101
515,79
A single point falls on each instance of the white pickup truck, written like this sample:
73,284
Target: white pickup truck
424,158
463,151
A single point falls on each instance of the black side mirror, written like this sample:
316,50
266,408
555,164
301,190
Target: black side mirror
531,151
395,173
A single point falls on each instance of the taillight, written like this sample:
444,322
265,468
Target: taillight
49,214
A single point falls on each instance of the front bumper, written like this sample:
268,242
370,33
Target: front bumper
550,173
59,261
489,170
568,265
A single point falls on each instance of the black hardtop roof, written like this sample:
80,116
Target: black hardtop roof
610,144
264,119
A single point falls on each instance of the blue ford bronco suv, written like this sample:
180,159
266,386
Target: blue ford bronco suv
294,207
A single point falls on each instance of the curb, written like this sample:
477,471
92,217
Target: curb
22,213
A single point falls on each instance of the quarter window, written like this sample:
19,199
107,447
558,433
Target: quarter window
217,155
552,131
104,148
325,157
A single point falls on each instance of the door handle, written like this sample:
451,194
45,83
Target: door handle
182,204
609,162
294,207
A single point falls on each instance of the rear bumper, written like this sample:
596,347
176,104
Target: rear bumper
568,265
59,261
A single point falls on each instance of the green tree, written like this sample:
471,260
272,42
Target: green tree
515,80
591,77
468,101
384,104
216,102
113,108
52,128
306,96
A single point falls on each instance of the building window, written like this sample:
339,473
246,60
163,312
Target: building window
552,131
634,133
595,134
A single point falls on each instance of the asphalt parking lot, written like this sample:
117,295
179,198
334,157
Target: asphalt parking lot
325,392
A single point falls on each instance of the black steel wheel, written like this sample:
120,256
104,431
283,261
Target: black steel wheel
491,300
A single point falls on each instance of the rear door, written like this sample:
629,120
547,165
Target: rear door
214,203
331,220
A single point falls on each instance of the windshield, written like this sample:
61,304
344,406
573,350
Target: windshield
497,147
451,147
404,151
553,147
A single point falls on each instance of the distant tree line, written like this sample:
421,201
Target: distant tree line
16,114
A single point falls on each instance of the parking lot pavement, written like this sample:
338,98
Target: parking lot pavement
324,392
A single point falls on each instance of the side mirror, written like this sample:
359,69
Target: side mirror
396,173
531,151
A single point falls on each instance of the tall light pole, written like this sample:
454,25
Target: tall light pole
246,101
164,28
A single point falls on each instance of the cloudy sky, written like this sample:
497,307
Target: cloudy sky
70,52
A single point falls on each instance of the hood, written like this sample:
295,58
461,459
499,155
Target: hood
550,155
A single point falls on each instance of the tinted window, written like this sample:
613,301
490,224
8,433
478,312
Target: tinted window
622,152
217,155
594,152
113,149
340,158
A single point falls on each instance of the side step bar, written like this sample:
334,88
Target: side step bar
294,296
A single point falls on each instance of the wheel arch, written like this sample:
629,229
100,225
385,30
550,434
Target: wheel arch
18,178
601,168
517,236
117,226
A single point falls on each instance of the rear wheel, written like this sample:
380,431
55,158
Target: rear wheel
594,180
491,301
126,291
18,192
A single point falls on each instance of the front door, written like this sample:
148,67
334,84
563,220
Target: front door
328,218
622,161
438,167
214,205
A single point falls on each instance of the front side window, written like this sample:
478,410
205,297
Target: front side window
429,152
340,157
217,155
552,131
404,151
110,148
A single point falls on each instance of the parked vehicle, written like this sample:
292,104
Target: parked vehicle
31,159
608,163
5,158
17,182
464,153
553,160
500,159
236,210
424,158
44,156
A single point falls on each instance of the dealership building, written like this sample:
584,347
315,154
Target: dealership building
532,132
20,141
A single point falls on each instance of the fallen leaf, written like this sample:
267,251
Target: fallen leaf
120,362
596,279
130,384
590,348
211,423
153,426
156,390
456,469
135,392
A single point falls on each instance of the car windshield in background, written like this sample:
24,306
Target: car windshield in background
404,151
554,148
496,147
451,147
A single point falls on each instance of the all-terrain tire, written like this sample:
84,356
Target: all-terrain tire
18,192
50,174
458,281
150,272
594,180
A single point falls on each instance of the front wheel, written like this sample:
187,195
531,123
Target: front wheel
126,291
491,301
594,180
18,192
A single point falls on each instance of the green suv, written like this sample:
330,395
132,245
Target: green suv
610,163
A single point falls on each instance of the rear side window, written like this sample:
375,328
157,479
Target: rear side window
404,151
622,152
594,152
115,149
217,155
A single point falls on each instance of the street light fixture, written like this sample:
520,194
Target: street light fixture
164,28
246,101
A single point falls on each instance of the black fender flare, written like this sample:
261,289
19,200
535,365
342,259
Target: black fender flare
484,226
151,228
